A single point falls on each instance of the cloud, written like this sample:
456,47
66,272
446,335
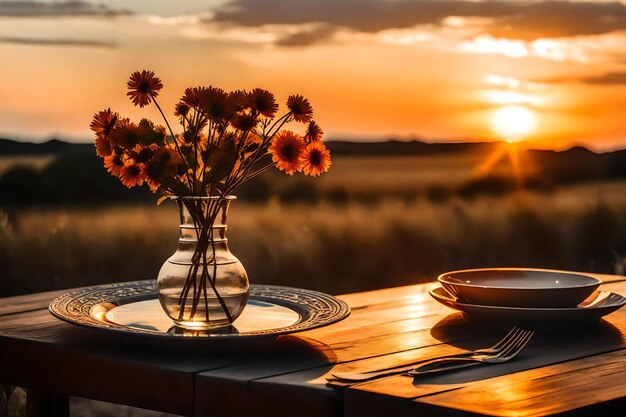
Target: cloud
362,15
610,78
514,19
308,36
46,9
557,19
58,42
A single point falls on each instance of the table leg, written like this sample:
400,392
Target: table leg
45,404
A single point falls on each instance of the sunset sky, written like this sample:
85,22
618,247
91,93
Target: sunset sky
373,69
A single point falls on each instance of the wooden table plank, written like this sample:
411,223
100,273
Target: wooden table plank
23,320
65,359
397,395
263,380
41,335
357,342
29,302
386,326
606,278
35,333
545,391
400,394
446,334
373,329
359,300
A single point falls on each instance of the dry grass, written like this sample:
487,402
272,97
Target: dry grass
387,235
37,162
400,172
334,248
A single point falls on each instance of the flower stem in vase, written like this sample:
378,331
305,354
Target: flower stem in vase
205,236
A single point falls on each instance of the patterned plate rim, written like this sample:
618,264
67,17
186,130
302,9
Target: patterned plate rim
316,309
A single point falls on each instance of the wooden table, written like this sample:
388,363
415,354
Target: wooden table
579,371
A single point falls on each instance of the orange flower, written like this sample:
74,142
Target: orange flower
164,163
313,132
238,99
264,102
150,134
126,134
244,121
315,159
185,137
113,164
103,122
191,97
143,153
173,159
143,86
181,109
287,149
222,158
153,185
215,103
104,146
300,108
132,175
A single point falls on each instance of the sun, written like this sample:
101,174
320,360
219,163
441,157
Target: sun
513,123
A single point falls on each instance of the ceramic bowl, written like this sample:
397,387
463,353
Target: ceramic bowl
519,287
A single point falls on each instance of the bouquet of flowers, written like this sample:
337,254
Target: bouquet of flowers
227,138
224,140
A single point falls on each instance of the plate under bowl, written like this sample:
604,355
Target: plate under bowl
532,316
519,287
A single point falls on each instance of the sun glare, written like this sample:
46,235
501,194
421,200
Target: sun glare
513,123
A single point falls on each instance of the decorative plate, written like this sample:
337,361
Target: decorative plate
133,308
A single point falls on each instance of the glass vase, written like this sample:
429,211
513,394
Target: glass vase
203,286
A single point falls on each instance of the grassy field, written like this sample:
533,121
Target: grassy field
331,247
371,222
36,162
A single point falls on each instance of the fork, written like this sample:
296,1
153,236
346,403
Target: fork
399,369
447,364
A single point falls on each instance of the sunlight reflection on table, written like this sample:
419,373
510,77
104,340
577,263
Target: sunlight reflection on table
419,300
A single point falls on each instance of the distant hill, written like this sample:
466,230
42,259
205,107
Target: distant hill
397,147
566,165
74,174
51,147
392,147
